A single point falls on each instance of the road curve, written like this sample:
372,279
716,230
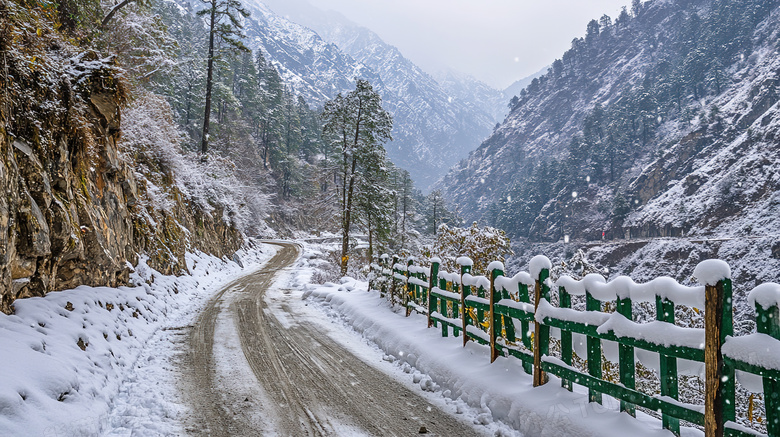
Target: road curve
309,384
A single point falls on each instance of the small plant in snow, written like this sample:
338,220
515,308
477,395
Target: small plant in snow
482,245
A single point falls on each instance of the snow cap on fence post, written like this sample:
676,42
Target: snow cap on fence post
496,265
537,264
709,272
767,295
464,261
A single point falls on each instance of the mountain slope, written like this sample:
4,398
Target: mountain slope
632,110
433,129
659,133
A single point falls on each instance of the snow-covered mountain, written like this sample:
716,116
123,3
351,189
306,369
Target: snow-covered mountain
662,123
314,68
435,125
520,84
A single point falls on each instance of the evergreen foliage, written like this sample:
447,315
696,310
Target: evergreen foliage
690,65
224,28
357,126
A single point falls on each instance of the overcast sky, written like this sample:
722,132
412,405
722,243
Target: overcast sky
497,41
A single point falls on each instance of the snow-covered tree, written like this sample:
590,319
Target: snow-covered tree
375,200
356,125
225,27
482,244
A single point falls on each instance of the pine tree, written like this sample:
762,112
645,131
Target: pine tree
270,125
225,27
285,157
375,199
356,125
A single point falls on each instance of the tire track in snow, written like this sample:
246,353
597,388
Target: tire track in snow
305,384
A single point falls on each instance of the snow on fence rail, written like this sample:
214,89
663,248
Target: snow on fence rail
488,309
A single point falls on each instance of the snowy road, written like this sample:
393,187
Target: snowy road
247,372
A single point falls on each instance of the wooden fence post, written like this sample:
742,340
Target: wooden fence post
432,281
594,349
719,384
664,311
455,307
564,301
541,332
495,323
525,327
407,288
382,268
443,309
392,280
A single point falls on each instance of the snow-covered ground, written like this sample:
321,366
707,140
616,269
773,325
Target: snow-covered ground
125,383
122,382
464,378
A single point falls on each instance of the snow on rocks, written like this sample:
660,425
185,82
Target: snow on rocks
709,272
66,355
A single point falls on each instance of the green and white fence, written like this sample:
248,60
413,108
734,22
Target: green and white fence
514,316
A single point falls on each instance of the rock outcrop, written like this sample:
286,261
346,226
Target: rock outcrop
70,213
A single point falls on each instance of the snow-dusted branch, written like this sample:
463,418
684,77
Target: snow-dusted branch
113,11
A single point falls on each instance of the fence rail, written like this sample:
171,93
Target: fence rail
488,310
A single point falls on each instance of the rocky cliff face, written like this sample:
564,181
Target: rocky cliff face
71,213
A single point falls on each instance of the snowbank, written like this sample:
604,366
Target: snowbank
66,355
500,391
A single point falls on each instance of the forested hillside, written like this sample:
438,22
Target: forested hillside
661,122
659,87
264,125
318,53
150,129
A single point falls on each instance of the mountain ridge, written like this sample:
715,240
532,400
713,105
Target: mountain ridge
433,128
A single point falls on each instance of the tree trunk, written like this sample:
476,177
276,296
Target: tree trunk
347,219
204,144
370,241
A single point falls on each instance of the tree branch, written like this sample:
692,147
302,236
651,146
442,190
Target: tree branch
113,11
